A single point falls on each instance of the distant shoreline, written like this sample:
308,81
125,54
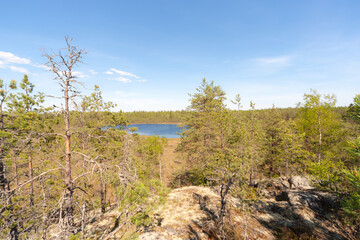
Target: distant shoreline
174,123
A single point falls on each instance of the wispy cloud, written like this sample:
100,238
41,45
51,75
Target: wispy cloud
122,73
282,60
19,69
8,57
270,65
8,60
124,77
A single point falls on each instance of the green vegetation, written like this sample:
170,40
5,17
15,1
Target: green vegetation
57,167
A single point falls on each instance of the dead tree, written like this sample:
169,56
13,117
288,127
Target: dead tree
61,64
220,224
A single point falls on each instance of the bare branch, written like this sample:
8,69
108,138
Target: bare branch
33,179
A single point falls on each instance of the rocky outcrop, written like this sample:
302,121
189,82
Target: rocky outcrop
287,210
291,210
190,213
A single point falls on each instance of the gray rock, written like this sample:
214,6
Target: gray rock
299,182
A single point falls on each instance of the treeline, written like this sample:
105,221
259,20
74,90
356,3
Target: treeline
170,117
180,116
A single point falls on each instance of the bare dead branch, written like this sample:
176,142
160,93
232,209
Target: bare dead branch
33,179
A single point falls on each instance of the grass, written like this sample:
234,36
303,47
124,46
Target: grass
171,161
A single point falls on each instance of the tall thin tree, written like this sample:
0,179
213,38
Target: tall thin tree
62,65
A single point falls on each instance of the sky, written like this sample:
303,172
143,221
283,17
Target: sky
150,55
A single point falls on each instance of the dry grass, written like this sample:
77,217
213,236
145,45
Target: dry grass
171,160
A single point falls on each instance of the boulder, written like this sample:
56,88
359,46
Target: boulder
299,182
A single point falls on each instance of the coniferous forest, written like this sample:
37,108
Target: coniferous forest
62,166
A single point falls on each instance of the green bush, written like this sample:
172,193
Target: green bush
351,205
141,199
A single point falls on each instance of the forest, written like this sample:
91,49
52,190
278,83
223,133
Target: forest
61,167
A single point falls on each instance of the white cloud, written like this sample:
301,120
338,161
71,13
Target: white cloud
43,66
282,60
123,79
7,61
11,58
79,74
109,73
122,73
19,69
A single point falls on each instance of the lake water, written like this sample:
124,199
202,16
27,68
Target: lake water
161,130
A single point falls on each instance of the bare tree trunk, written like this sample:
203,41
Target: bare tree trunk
3,180
68,207
225,187
15,171
320,140
83,219
102,196
62,65
45,219
31,184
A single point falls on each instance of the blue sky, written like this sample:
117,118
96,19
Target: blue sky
148,55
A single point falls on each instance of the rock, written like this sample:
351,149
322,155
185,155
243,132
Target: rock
158,234
295,182
293,214
280,183
299,182
265,193
283,196
192,213
189,213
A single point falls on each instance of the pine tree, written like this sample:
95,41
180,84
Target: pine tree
92,123
255,142
201,139
291,155
62,66
322,132
25,109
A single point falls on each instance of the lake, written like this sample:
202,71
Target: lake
161,130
